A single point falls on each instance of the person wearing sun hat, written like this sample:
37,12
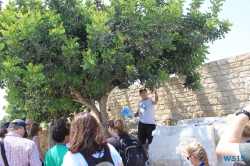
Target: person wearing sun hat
18,150
28,123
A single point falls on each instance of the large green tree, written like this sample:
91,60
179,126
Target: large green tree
58,51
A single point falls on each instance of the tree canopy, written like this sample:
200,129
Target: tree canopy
58,55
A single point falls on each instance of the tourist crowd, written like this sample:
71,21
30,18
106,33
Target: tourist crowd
83,142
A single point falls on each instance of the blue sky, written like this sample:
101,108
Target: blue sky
236,42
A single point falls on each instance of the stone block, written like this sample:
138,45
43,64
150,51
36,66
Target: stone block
223,100
222,88
200,92
228,93
187,115
223,67
191,97
193,108
227,111
244,104
210,80
222,83
241,98
171,152
211,108
234,81
234,70
203,81
159,107
212,64
221,77
239,91
169,106
210,90
215,94
213,69
213,101
222,72
232,59
202,120
222,62
213,113
232,99
161,101
204,102
212,85
235,105
244,68
234,75
208,101
234,86
223,107
243,57
235,64
198,114
195,102
207,75
246,62
244,74
201,97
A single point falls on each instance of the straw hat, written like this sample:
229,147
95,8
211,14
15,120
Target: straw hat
29,121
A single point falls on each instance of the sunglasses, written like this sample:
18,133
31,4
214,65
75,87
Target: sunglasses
188,157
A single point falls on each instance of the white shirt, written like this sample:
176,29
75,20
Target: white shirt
146,111
77,159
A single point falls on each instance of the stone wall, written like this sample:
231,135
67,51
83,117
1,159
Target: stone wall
224,92
43,135
170,142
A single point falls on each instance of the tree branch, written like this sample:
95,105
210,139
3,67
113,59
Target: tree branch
109,88
80,99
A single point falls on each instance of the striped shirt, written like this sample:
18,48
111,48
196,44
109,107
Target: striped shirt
20,151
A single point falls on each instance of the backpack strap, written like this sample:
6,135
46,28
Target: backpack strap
119,144
3,153
92,161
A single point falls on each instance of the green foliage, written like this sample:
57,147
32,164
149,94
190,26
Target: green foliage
45,48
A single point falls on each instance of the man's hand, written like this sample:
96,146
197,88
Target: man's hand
156,96
155,90
137,114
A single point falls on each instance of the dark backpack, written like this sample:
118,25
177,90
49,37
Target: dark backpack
105,160
131,151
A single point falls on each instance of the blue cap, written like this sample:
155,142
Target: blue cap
19,122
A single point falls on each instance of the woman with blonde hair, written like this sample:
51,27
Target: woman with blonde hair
88,145
197,154
118,131
33,135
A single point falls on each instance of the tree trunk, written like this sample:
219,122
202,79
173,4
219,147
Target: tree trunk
104,114
50,141
80,99
101,114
